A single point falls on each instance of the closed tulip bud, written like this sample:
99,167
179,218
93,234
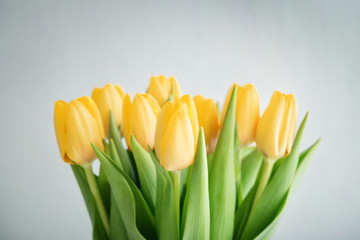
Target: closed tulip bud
208,119
139,119
77,125
109,98
176,134
160,88
247,111
276,127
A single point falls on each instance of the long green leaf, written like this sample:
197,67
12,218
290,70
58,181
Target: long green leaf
134,211
165,214
85,190
147,172
270,201
114,134
250,166
98,227
222,185
304,161
117,226
196,212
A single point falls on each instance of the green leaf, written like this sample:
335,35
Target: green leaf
196,211
104,188
222,185
85,190
147,172
270,201
250,166
114,133
165,214
117,227
133,209
99,232
304,161
114,154
98,227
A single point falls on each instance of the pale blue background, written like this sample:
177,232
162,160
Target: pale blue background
52,50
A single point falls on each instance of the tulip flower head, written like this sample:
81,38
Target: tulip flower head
176,134
208,119
160,88
77,125
139,119
247,111
109,98
276,128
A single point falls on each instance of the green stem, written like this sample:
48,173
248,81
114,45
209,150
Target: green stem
265,175
97,197
175,176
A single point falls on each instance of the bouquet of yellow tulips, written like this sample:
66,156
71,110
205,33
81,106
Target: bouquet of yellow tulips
189,170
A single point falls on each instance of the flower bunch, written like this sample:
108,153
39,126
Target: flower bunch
190,170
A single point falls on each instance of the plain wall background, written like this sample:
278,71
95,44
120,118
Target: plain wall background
51,50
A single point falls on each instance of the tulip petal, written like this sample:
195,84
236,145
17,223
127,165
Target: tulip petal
193,116
176,87
153,103
292,126
285,126
92,108
82,129
159,88
267,133
120,90
178,142
168,109
144,122
247,112
60,112
127,113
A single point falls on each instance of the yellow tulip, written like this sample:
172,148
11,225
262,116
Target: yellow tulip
247,111
160,88
77,125
139,119
277,125
176,134
208,119
110,97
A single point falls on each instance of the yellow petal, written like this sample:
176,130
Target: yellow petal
82,130
160,88
247,112
162,121
193,116
60,112
107,99
153,103
208,120
177,148
176,88
120,90
127,116
94,111
294,114
268,129
144,122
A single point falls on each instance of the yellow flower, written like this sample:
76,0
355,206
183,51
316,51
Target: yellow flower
139,119
108,98
160,88
247,111
77,125
276,127
176,134
208,119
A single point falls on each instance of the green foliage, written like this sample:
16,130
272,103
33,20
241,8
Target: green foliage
196,211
